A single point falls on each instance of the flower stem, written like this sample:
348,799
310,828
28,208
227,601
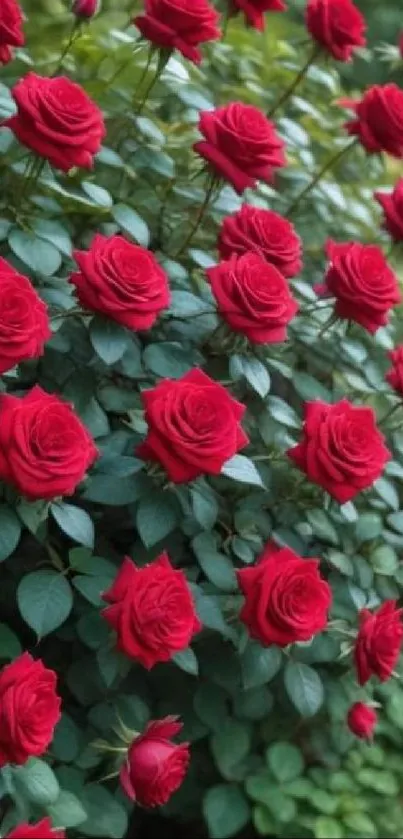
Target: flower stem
296,81
389,413
74,34
319,175
199,217
163,58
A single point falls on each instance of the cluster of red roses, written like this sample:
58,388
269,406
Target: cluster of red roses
194,423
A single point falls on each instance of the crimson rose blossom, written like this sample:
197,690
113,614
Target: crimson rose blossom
122,281
286,598
378,642
57,120
152,611
392,205
179,24
85,9
45,450
395,375
24,322
155,767
11,34
342,450
241,144
364,285
193,426
253,297
378,119
265,232
29,709
254,10
337,25
361,720
40,830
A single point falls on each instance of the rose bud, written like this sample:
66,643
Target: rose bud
86,9
155,767
361,720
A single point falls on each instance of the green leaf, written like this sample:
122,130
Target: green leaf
205,505
395,520
157,515
187,661
10,531
130,221
92,588
168,359
282,412
323,801
105,816
384,560
259,664
109,339
45,601
67,810
217,566
285,761
75,523
54,232
360,823
98,195
226,810
263,821
210,704
304,687
109,664
66,741
322,526
41,257
211,616
327,828
388,492
230,745
10,646
383,782
241,468
256,374
369,526
37,782
183,303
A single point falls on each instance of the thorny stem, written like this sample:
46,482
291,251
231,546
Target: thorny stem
296,81
319,175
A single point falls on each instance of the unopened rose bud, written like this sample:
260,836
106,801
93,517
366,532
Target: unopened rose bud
361,720
85,9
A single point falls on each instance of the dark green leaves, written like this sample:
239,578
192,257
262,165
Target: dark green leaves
109,340
45,600
130,222
226,810
10,531
242,469
75,522
304,687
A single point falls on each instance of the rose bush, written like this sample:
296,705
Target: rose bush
201,445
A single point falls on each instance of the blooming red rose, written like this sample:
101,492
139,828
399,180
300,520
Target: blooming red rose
395,375
241,144
286,598
254,10
40,830
337,25
57,120
85,9
152,611
363,284
392,205
29,709
11,34
378,642
45,450
378,119
253,297
342,450
179,24
122,281
361,720
154,767
193,426
24,323
266,233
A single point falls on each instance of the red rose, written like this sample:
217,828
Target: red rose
85,9
45,450
337,25
193,426
395,375
40,830
122,281
392,205
379,119
286,598
255,9
179,24
342,449
361,720
266,233
253,297
29,709
11,34
241,145
364,285
24,323
378,642
155,767
152,611
57,120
